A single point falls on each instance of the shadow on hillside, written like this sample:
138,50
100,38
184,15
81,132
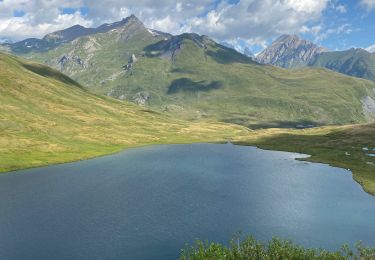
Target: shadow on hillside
158,49
182,71
226,55
187,85
300,124
50,73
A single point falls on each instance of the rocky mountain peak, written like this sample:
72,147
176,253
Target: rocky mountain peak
287,38
171,46
289,51
57,38
132,20
132,17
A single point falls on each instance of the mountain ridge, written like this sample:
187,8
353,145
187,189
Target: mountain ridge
286,51
191,76
54,39
289,51
355,62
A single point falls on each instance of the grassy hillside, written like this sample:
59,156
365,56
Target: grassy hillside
192,77
353,62
45,117
346,147
98,60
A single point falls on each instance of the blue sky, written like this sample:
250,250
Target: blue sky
335,24
358,23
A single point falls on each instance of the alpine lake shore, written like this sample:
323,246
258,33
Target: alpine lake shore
47,118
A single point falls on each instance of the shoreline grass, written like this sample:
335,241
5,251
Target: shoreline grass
338,146
99,153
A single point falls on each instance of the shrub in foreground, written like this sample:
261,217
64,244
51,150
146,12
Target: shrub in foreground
250,248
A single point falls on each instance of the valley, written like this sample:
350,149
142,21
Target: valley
216,93
48,118
193,77
131,138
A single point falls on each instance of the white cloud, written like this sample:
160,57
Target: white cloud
261,20
368,4
342,29
165,24
18,28
308,6
314,30
253,21
41,17
341,8
371,48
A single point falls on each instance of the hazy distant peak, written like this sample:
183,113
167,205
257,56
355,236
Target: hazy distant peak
68,34
371,48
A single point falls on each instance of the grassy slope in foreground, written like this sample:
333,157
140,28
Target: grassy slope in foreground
45,117
338,146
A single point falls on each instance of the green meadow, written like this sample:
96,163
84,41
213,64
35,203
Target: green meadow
45,117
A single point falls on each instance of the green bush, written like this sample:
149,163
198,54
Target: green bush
250,248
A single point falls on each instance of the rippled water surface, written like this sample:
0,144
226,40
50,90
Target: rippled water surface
147,203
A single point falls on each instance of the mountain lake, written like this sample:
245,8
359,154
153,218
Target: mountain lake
150,202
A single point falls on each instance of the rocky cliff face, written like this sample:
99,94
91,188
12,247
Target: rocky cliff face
289,51
368,105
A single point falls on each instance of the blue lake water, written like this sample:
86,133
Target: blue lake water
147,203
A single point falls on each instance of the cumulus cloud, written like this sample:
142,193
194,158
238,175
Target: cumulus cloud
252,21
18,28
40,17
